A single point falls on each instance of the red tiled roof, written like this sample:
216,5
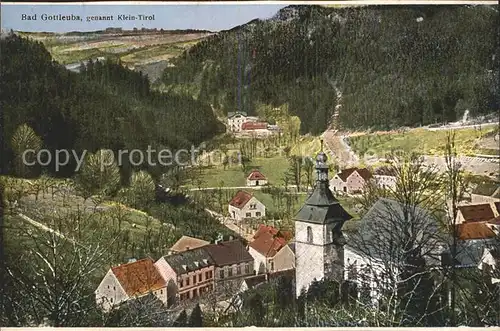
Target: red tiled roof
476,230
268,240
254,125
139,277
363,172
256,175
272,230
477,213
240,199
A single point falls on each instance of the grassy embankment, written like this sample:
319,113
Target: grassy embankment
423,141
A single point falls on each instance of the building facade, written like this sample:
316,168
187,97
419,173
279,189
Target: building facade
189,274
256,178
235,120
232,264
350,181
245,205
129,281
270,250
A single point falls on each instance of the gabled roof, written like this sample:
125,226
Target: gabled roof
231,114
477,213
186,243
287,235
254,126
240,199
475,230
487,189
363,172
256,175
139,277
385,171
268,240
380,230
228,252
188,261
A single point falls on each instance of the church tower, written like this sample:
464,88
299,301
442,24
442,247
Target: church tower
319,240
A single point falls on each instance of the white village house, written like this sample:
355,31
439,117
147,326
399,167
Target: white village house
245,205
385,177
130,281
350,181
256,178
235,120
271,251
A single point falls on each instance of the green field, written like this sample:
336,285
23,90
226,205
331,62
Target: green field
273,168
132,50
419,140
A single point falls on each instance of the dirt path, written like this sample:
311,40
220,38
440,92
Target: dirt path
338,150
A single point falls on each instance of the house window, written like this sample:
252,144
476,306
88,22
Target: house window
194,279
345,188
248,215
206,275
114,288
238,270
230,272
161,291
247,269
111,300
272,265
309,234
257,213
108,287
181,283
253,206
187,281
221,273
200,277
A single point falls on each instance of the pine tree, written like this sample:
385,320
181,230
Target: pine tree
196,318
181,319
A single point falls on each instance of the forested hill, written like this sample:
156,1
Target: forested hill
393,66
107,106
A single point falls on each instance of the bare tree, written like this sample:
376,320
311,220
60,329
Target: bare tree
398,245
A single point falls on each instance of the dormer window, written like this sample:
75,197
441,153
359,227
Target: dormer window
205,261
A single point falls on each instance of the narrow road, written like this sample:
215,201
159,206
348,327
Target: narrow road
233,188
46,228
233,225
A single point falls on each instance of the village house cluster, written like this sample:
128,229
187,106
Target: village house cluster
239,123
194,269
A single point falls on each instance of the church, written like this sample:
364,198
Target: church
319,241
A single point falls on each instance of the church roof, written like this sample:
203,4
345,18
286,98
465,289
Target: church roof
321,207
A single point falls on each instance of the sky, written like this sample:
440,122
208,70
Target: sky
168,17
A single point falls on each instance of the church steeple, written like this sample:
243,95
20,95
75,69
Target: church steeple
319,239
321,207
321,166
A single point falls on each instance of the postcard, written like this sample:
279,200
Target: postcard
250,164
